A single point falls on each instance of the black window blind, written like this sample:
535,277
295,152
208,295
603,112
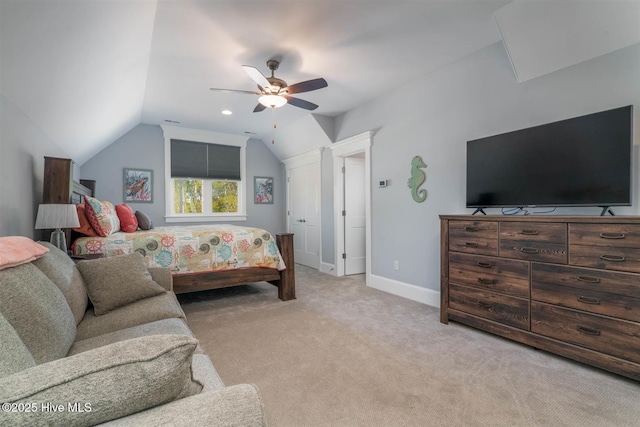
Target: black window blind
190,159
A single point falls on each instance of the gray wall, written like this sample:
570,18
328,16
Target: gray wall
22,149
143,147
475,97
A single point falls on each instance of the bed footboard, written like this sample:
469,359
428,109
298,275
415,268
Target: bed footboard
285,280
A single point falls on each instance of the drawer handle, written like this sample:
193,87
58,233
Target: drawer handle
588,279
529,232
529,250
470,245
484,304
486,281
471,229
485,264
588,300
588,331
614,258
612,235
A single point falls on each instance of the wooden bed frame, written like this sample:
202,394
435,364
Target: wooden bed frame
56,183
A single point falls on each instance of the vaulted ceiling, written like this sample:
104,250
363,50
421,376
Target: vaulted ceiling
86,72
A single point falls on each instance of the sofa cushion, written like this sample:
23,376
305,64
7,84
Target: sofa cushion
62,271
102,216
164,306
115,381
234,406
173,326
205,373
117,281
14,356
38,311
17,250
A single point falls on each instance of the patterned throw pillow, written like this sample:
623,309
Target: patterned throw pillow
128,220
102,216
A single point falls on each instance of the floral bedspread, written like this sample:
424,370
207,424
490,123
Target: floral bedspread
191,249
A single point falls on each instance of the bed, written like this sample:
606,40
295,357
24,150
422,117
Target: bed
205,256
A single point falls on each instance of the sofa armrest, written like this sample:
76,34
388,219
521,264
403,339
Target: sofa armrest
238,406
162,276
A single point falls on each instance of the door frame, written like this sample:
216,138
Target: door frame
308,158
360,143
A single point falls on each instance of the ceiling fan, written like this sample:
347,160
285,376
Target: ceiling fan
275,92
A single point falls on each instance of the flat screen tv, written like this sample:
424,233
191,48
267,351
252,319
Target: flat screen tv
583,161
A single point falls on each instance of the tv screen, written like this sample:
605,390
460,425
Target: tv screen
584,161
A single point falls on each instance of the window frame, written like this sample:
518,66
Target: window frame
207,137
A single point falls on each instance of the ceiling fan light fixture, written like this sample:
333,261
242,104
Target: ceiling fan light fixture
273,101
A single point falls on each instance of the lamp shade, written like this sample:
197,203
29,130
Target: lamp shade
273,101
57,216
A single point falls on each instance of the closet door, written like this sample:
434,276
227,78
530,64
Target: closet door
304,213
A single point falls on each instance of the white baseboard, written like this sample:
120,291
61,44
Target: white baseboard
405,290
327,268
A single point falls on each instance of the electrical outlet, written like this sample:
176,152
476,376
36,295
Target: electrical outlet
396,265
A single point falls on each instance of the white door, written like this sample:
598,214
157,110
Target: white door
304,213
354,216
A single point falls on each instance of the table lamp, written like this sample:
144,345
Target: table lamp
57,216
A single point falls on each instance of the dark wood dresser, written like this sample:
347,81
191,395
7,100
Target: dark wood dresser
569,285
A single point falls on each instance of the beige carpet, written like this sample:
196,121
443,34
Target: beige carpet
343,354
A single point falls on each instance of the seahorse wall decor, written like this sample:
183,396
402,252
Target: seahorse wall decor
418,178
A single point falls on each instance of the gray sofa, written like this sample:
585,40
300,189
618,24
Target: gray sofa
65,360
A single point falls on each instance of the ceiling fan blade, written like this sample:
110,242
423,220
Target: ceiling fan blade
234,90
259,108
301,103
256,76
307,86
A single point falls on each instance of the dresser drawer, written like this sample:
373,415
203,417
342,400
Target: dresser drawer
477,237
489,305
506,276
596,291
618,338
610,246
534,241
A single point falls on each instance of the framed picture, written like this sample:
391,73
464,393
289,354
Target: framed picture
138,185
263,189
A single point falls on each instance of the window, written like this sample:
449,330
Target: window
205,179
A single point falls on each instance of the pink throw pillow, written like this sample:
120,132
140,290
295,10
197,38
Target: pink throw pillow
128,220
17,250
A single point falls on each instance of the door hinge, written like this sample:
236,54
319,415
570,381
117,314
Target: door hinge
344,213
344,169
344,256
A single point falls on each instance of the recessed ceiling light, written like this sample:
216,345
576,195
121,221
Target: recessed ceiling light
227,112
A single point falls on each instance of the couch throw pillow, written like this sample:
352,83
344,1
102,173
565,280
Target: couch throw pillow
17,250
117,281
102,216
144,222
85,227
128,220
103,384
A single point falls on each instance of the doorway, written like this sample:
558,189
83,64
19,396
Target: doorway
354,150
354,215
